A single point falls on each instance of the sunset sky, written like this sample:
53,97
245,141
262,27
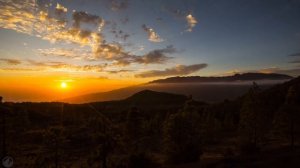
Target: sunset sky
101,45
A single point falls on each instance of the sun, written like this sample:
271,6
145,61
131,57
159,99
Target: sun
63,85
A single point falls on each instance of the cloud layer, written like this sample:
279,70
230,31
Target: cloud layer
174,71
10,61
84,31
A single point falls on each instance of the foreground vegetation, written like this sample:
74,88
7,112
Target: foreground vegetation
153,129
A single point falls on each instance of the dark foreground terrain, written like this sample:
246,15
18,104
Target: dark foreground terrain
155,129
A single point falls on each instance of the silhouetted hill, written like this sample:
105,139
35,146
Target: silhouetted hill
149,96
147,100
233,78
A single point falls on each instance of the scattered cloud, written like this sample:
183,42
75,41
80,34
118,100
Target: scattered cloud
152,35
114,52
84,17
124,20
177,70
191,20
34,19
117,5
22,17
59,9
157,56
10,61
120,34
25,17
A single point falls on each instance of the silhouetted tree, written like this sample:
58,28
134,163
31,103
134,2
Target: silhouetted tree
182,141
3,128
252,125
286,121
54,140
134,126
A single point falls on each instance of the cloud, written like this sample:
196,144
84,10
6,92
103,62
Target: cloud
191,20
152,35
10,61
120,34
24,17
295,55
59,9
20,69
178,70
29,18
119,71
156,56
290,71
67,53
84,17
117,5
115,52
153,57
57,65
295,61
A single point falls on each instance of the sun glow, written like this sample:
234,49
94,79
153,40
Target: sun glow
63,85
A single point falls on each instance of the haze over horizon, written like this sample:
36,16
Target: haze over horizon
53,49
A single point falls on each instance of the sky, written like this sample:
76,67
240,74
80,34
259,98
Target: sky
101,45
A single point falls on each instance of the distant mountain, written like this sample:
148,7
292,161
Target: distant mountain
234,78
207,89
154,97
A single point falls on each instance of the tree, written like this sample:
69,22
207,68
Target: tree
3,139
54,140
253,117
134,126
182,141
286,120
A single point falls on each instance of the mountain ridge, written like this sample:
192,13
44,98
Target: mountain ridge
232,78
200,90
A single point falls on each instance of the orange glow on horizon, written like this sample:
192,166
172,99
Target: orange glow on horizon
52,88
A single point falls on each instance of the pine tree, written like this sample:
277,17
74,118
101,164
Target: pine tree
54,140
182,141
253,117
134,127
286,120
